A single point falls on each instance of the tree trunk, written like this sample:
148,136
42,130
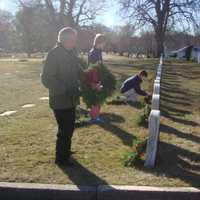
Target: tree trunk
159,37
159,43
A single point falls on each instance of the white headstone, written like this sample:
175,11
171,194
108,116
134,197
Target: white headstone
160,66
44,98
159,69
161,59
155,102
158,78
157,81
156,88
152,143
7,74
159,73
28,105
7,113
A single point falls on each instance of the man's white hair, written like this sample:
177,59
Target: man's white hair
65,33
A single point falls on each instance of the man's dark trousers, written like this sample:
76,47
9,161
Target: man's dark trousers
66,122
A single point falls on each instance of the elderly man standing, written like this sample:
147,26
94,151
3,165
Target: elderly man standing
61,76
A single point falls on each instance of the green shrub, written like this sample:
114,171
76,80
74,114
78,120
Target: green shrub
142,118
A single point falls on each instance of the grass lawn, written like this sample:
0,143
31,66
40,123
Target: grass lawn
27,138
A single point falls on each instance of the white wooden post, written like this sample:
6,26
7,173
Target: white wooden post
152,143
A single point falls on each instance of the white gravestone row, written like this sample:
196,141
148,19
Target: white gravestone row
158,74
8,113
28,106
154,120
155,102
157,81
161,59
44,98
11,112
156,88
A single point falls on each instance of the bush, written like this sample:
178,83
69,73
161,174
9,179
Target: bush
142,119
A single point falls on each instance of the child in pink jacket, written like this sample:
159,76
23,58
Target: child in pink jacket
95,56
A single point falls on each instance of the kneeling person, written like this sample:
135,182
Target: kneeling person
131,87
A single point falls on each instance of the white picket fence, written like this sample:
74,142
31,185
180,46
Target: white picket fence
154,119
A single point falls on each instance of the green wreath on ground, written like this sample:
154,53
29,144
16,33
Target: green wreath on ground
92,96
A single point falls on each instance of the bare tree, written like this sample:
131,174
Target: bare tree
161,14
125,39
26,19
73,12
5,29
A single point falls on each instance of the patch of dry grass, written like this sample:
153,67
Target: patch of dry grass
27,139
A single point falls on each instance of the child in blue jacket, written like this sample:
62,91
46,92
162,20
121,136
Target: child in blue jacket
131,87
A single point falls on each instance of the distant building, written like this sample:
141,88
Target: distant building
196,54
188,53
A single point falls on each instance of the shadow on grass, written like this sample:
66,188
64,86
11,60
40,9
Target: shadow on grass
175,110
126,138
174,98
173,90
116,102
108,125
180,120
170,130
174,101
112,118
177,84
80,175
167,95
137,105
176,162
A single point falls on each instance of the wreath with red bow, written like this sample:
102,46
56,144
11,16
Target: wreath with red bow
91,76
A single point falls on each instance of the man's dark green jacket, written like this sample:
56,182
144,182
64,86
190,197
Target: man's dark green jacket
61,76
